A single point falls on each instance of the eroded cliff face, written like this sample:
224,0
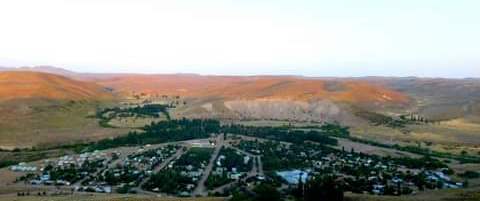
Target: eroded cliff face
274,109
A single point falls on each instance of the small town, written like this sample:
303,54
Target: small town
227,163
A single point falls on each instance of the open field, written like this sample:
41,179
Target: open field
133,122
96,197
370,149
27,123
450,136
443,195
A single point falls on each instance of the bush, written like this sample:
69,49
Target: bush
470,174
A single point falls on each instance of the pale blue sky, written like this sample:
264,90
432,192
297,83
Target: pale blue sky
428,38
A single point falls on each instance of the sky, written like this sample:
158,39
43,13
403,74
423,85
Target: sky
427,38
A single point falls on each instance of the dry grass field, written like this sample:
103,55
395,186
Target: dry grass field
133,122
452,136
91,197
442,195
26,123
369,149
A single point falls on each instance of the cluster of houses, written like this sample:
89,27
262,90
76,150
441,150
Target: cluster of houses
370,172
98,171
399,176
232,173
192,172
439,177
292,177
96,189
367,172
130,171
78,163
23,167
148,160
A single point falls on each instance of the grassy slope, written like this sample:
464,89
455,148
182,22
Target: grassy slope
452,136
102,198
443,195
25,123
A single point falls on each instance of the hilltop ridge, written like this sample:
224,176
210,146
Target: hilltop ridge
26,84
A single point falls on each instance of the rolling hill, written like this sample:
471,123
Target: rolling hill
30,93
256,87
41,108
263,97
26,85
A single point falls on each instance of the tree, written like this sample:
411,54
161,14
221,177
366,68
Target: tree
299,191
324,188
265,192
240,196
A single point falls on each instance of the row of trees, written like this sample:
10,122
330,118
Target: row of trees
281,134
161,132
186,129
321,188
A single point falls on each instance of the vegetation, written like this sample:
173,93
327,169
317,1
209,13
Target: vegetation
214,181
379,119
150,110
177,180
463,158
470,174
265,192
324,188
195,157
418,163
230,159
234,160
7,163
168,181
283,134
161,132
16,156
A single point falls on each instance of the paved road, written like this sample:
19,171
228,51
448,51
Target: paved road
201,189
101,170
260,166
256,170
167,161
256,159
251,173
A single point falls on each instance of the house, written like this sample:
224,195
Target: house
23,167
246,159
378,189
235,176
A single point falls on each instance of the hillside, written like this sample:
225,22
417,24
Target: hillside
25,85
262,97
256,87
350,101
40,108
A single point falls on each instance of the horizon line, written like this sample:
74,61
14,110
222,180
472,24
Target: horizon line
33,67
